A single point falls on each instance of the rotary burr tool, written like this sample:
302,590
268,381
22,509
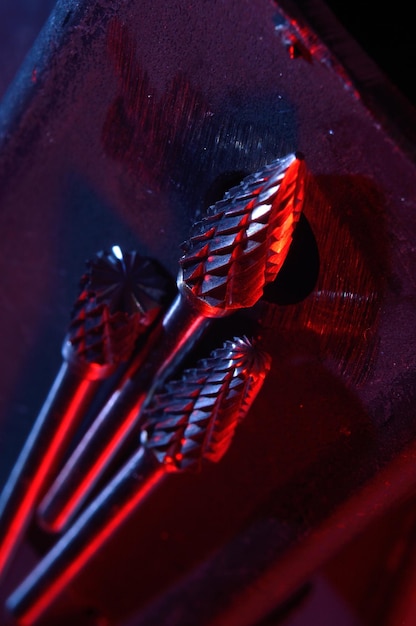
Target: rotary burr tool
191,421
238,247
121,295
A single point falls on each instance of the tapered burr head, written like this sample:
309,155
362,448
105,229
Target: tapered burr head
195,418
243,241
121,295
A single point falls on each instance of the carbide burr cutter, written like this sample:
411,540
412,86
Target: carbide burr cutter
231,254
121,295
191,421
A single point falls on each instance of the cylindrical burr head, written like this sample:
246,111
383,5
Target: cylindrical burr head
229,257
121,295
195,418
243,241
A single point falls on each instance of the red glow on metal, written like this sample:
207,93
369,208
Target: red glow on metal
302,43
40,475
101,443
66,576
342,312
79,494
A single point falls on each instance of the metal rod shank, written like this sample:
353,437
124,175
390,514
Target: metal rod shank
60,415
171,340
86,537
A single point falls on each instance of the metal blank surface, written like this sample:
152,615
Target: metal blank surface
126,120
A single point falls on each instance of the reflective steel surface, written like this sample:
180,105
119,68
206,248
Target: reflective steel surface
126,122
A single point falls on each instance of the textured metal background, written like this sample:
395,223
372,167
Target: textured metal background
125,121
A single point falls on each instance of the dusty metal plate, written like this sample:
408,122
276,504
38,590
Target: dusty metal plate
126,121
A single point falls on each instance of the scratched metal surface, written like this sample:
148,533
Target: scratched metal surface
125,121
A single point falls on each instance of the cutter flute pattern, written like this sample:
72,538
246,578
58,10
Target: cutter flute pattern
121,295
230,256
193,420
243,242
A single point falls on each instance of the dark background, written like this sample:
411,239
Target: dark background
385,32
386,36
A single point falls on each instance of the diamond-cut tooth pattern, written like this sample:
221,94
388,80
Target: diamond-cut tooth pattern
193,431
217,263
223,243
256,229
231,225
186,433
170,422
121,295
249,232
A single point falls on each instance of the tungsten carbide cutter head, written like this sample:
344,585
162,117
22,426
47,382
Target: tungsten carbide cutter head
121,295
195,417
243,241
